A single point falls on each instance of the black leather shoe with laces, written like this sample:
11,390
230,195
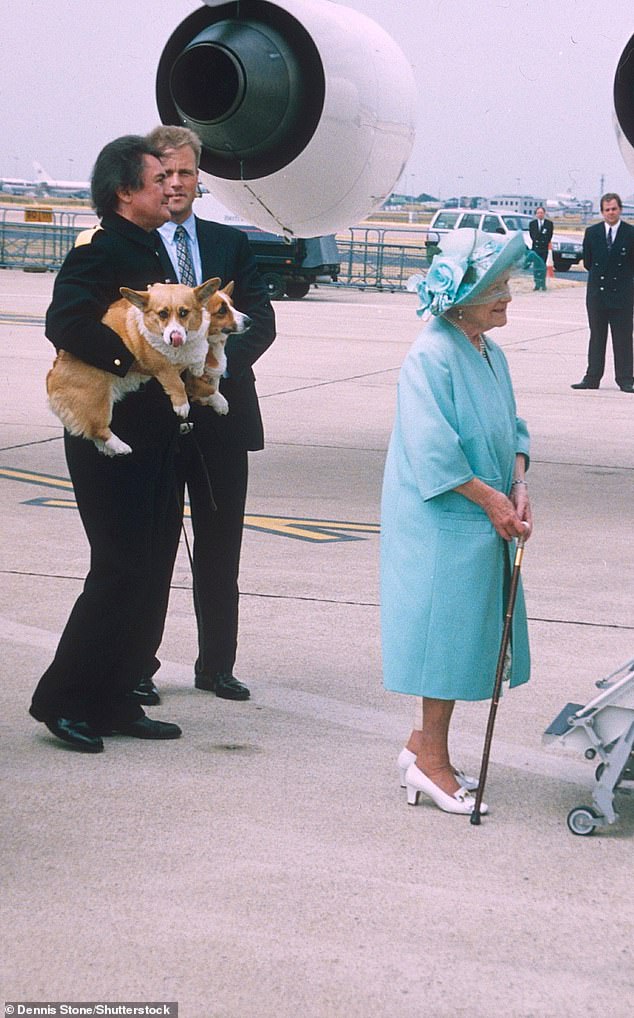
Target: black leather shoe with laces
145,692
143,728
76,734
223,684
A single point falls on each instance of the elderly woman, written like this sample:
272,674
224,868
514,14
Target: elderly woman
454,498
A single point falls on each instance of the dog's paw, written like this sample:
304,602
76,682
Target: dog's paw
219,403
113,447
182,410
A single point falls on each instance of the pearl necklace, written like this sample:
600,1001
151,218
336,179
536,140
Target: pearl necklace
479,339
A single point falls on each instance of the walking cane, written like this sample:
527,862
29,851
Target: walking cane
497,687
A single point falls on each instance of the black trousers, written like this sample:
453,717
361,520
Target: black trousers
129,508
619,321
207,457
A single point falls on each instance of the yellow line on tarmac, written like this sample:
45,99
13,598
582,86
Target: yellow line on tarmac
34,478
315,531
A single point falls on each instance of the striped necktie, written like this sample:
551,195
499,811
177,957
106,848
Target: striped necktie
184,258
609,239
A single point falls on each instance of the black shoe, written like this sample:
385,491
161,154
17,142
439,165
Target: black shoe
143,728
77,734
224,685
145,692
626,388
585,384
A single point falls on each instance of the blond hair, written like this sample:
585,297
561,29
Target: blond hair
167,136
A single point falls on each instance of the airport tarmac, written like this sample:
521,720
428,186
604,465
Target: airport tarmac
267,863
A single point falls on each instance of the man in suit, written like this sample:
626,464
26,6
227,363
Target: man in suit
127,504
213,459
541,233
608,255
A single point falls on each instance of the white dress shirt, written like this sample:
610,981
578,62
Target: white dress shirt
167,232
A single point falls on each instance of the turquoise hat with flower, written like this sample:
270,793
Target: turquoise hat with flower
466,267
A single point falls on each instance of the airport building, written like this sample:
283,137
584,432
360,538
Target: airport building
523,204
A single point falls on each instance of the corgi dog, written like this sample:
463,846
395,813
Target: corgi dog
224,319
166,328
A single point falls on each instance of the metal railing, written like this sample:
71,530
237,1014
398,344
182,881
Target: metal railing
39,246
376,257
368,259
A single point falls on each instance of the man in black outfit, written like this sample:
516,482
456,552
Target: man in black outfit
128,504
608,255
213,458
541,233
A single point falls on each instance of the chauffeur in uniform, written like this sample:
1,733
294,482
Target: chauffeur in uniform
608,255
541,233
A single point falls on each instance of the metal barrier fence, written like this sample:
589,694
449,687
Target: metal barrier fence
371,257
381,257
40,243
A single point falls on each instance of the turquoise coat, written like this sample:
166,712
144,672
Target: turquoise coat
442,562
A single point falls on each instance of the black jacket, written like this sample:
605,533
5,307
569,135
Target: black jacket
610,275
541,238
117,253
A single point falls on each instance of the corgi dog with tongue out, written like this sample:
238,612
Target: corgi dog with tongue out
165,327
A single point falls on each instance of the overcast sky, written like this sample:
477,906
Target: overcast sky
513,94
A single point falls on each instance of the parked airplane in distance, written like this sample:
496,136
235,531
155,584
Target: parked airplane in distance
568,203
60,188
16,185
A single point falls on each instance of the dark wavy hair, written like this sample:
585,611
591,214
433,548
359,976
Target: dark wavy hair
119,166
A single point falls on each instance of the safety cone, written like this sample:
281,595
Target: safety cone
550,266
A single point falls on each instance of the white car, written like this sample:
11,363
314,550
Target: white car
566,250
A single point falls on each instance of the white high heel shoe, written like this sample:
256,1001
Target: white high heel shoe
461,801
406,757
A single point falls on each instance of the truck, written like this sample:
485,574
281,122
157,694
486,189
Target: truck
289,268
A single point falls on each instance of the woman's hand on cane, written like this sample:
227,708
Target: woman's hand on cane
503,515
521,501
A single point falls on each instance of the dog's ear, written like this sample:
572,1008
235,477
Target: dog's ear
139,298
207,290
228,289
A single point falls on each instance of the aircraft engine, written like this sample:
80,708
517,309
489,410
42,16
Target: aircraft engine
305,109
624,104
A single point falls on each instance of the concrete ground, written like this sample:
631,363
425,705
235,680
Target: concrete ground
267,863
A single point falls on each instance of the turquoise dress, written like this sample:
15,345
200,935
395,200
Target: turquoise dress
443,565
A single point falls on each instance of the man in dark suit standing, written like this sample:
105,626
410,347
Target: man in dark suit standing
608,255
213,459
127,504
541,233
